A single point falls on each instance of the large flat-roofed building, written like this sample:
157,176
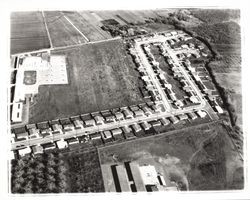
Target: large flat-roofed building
139,185
149,175
123,178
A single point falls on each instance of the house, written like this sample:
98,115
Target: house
107,134
128,114
90,122
218,109
49,146
201,113
173,119
174,33
99,119
34,133
119,116
46,132
110,118
155,123
145,125
194,99
24,151
126,129
157,109
200,47
22,135
183,117
116,131
192,115
68,127
78,124
179,103
13,137
147,110
136,127
138,113
95,136
164,121
38,149
172,96
61,144
56,128
162,77
72,141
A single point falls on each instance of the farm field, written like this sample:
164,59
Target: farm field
28,32
203,158
101,76
92,32
62,33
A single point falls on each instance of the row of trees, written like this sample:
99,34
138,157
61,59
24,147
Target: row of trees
43,174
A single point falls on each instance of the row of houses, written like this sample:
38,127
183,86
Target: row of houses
149,85
177,74
109,135
207,92
64,126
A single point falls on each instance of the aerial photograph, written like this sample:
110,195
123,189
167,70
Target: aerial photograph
115,101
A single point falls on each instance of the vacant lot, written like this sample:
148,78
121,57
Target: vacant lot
28,32
201,159
101,76
83,171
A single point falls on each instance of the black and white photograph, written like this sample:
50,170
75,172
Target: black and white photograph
125,101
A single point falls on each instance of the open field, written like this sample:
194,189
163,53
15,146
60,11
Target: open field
203,158
212,16
28,32
93,33
101,76
61,31
227,72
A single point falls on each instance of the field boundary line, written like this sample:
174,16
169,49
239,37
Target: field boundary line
167,133
65,47
76,28
50,41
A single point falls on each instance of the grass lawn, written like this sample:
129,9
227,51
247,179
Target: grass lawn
101,76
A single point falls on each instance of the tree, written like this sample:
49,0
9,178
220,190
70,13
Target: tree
51,171
16,187
51,187
28,187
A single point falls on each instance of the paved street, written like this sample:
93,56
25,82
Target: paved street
169,111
